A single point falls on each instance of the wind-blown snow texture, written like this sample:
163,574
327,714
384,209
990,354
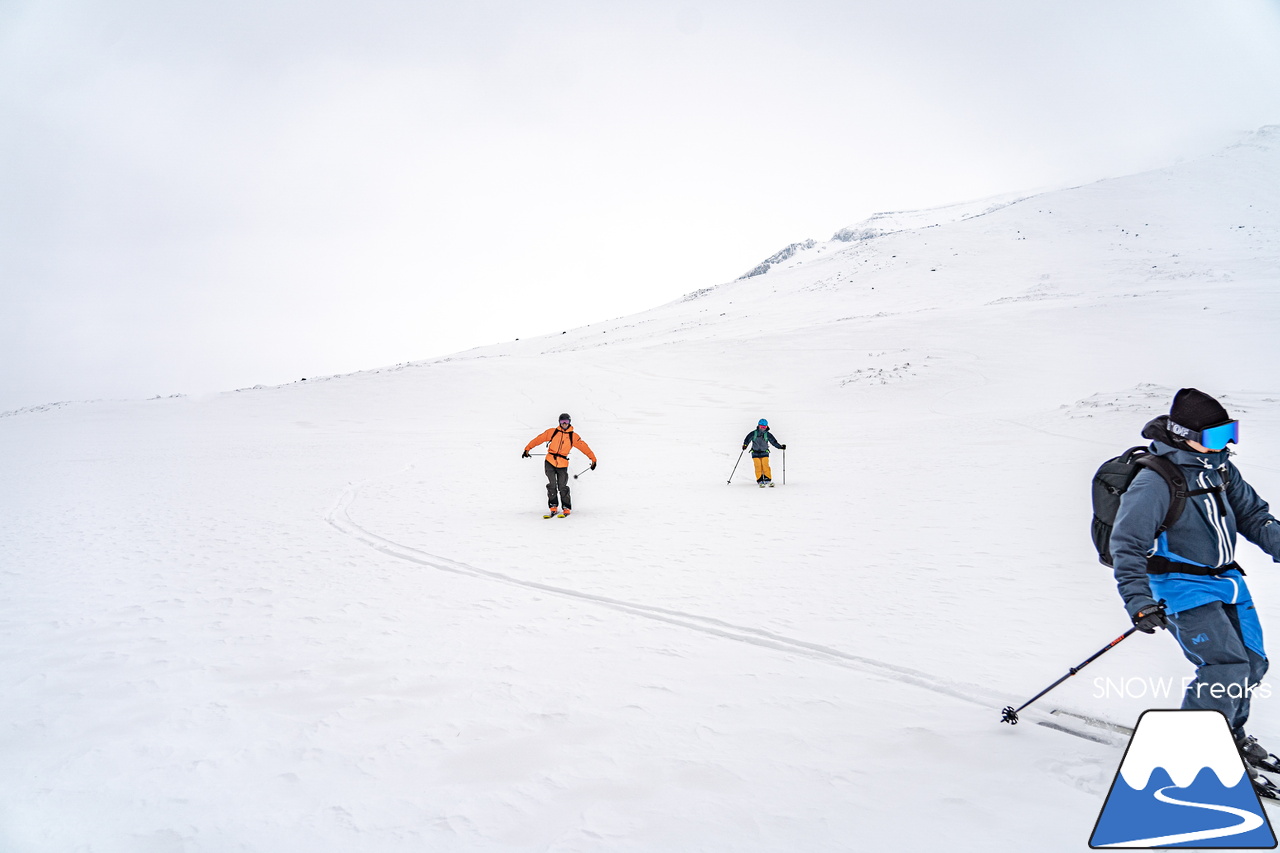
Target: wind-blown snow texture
329,616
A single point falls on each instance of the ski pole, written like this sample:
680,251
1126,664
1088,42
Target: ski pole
1010,714
784,466
735,466
583,471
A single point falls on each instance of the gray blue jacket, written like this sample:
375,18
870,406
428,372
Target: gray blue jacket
760,439
1204,536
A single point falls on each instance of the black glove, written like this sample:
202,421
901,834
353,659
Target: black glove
784,447
524,455
593,466
1151,617
744,447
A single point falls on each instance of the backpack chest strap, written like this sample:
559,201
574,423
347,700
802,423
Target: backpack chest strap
1217,492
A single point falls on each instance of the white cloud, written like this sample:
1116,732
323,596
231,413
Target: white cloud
328,186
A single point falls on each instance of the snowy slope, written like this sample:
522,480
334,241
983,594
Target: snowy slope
328,616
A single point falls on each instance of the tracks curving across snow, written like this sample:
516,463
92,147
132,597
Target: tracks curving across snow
339,517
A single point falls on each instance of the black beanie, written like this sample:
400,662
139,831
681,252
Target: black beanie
1196,410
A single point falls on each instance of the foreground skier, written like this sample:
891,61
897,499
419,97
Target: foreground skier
559,440
1185,578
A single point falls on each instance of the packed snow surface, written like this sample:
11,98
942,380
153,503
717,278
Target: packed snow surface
329,616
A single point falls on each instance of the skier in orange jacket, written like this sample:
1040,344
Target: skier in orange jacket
559,440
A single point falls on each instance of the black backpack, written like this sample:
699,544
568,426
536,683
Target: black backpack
1114,478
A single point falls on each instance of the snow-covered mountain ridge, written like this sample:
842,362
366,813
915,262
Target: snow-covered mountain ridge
1197,222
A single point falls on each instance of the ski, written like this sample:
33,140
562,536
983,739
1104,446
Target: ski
1268,764
1266,788
1096,722
1257,756
1090,736
550,515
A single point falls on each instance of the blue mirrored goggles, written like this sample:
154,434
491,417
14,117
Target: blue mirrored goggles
1218,437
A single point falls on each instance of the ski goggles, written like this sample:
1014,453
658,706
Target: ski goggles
1212,438
1218,437
564,423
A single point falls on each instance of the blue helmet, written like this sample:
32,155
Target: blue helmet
762,422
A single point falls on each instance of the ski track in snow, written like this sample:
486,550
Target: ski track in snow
339,517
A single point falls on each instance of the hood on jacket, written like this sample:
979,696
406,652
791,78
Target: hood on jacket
1157,429
1165,443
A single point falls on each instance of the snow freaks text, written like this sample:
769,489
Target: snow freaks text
1167,688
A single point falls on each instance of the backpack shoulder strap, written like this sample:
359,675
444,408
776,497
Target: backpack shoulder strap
569,433
1174,479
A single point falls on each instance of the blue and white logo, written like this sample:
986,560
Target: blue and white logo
1182,783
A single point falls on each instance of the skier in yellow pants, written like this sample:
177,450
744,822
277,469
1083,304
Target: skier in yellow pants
759,439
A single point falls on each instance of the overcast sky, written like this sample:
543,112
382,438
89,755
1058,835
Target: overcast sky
203,196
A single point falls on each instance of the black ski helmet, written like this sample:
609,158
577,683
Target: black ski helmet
564,416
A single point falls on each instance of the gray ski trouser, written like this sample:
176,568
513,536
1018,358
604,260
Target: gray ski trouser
557,480
1224,641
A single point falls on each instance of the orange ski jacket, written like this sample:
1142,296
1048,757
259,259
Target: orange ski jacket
559,443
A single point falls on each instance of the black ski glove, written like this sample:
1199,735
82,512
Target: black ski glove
1149,618
593,466
784,447
524,455
744,447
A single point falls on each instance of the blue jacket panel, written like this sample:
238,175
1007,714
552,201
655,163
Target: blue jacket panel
1205,534
1182,592
760,439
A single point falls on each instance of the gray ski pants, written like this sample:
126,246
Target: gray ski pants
1224,641
557,480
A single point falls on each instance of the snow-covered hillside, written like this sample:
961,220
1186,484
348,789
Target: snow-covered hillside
330,617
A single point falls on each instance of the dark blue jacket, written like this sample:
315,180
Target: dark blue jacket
1204,535
760,439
